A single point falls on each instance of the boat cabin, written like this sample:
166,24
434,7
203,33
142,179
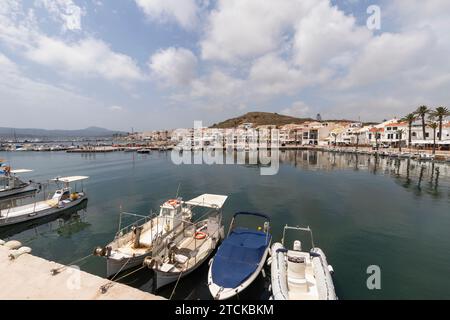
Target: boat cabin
172,212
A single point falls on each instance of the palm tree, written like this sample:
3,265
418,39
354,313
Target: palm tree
409,118
422,111
400,134
334,134
434,125
440,113
357,139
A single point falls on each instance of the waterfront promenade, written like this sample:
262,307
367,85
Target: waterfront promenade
30,278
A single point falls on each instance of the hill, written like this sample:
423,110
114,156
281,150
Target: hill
259,119
29,133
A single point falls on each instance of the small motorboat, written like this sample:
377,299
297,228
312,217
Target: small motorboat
188,249
426,157
300,275
63,199
11,185
239,259
143,151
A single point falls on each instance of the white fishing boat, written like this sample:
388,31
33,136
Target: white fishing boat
10,183
135,242
239,259
187,249
63,199
298,274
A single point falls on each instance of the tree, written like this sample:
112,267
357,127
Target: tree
434,125
334,134
357,139
400,134
409,118
422,111
440,113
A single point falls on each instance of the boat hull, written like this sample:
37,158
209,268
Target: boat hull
113,266
279,275
17,191
41,214
164,278
220,293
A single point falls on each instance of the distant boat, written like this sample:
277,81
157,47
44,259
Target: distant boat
239,259
298,274
63,199
143,151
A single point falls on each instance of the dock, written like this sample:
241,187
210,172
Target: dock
30,278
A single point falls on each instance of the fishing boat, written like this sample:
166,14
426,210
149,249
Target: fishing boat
426,157
298,274
133,243
191,246
10,184
63,199
143,151
239,259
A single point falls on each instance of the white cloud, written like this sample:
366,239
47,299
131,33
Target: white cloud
116,108
184,12
64,11
298,109
327,37
35,102
87,57
239,29
174,66
272,75
388,56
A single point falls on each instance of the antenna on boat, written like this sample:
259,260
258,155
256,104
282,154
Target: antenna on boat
178,190
120,219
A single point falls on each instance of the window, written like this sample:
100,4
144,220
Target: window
427,134
414,134
395,129
389,128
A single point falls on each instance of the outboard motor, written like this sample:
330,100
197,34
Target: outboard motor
266,226
297,245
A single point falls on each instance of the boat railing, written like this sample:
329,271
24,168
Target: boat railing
142,220
161,248
298,228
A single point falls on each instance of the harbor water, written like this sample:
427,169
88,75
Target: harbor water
364,211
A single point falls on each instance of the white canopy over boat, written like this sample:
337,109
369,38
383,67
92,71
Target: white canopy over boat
208,201
21,171
70,179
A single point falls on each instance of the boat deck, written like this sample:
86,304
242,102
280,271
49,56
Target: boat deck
28,209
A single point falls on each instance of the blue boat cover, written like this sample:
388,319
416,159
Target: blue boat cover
238,257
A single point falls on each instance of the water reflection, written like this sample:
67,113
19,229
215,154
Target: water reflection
429,177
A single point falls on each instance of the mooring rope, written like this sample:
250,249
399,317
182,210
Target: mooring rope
176,284
57,270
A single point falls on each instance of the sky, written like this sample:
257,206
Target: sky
162,64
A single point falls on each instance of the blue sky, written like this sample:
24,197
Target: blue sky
154,64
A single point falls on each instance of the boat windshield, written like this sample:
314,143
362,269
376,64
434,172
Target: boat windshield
165,212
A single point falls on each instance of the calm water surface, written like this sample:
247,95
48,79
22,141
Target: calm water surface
390,213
